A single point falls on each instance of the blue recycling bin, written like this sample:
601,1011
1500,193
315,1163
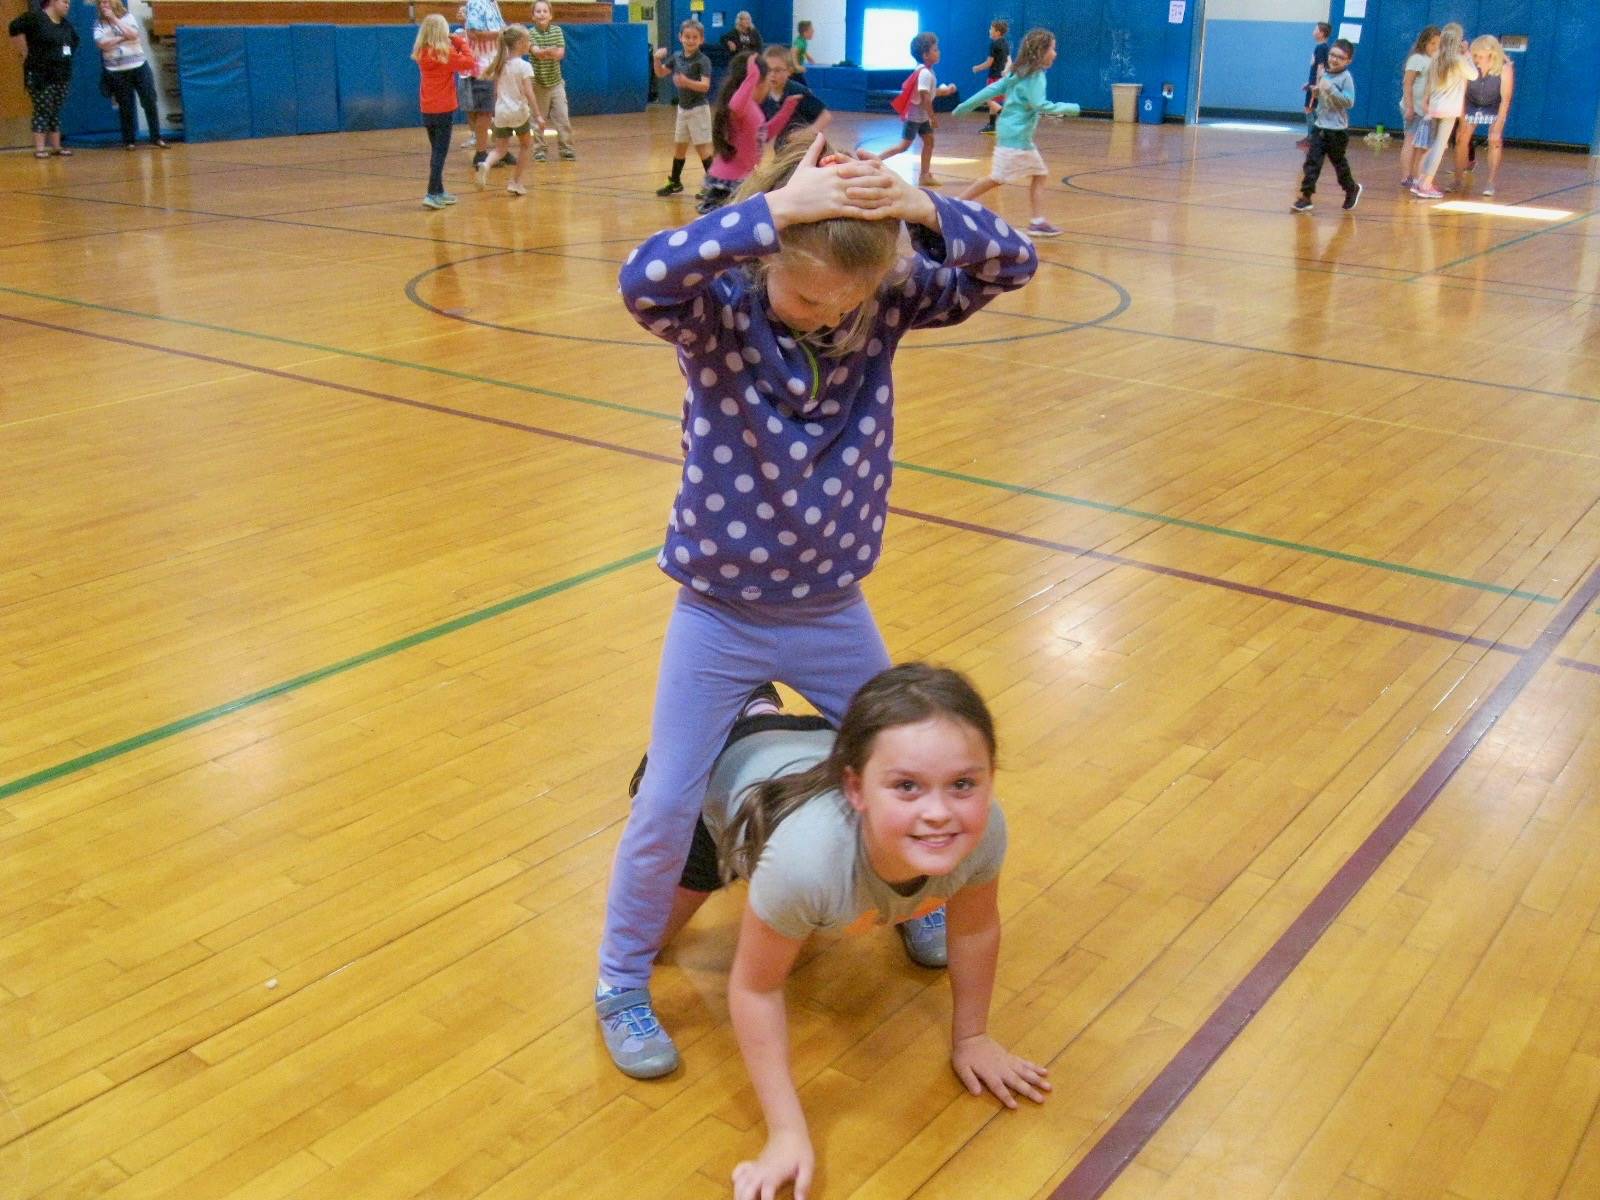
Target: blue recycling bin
1152,108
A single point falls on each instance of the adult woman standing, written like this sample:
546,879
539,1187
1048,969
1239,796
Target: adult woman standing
1488,103
127,71
49,42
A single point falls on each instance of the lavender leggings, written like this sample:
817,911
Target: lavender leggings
716,651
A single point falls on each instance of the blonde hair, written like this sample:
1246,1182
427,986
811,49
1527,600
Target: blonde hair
433,37
510,37
867,249
1030,55
118,9
1448,67
1487,43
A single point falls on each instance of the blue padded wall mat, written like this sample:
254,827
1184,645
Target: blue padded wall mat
268,59
215,83
316,75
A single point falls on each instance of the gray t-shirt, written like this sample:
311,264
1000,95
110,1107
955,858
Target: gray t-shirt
813,873
697,68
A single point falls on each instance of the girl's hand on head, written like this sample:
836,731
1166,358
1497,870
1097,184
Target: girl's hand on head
981,1062
785,1157
889,195
819,193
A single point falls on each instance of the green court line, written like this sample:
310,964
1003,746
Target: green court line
974,480
1505,245
173,728
1223,531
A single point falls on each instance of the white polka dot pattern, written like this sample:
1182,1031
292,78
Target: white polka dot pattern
778,437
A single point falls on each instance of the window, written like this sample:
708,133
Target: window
886,35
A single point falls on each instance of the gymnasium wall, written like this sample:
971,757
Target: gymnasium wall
1099,42
827,42
1557,81
1257,55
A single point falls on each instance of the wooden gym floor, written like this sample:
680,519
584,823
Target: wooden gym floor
328,624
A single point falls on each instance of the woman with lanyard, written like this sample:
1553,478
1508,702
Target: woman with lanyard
49,42
127,74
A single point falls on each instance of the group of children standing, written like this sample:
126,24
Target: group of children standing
506,94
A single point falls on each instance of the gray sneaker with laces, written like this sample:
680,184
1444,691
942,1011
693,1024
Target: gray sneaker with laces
634,1038
924,939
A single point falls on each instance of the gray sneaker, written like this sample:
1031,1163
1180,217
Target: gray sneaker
634,1038
924,939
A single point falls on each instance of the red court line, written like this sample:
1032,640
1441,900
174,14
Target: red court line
1132,1131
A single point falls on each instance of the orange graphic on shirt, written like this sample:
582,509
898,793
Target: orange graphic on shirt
869,920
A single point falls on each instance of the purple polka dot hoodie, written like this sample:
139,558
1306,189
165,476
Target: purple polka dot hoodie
787,452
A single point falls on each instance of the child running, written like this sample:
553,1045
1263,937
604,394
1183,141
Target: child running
549,89
439,57
786,309
691,75
515,108
915,105
739,128
1015,156
887,819
993,68
802,48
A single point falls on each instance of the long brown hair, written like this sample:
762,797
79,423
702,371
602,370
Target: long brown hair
902,695
1030,55
1420,46
848,244
720,122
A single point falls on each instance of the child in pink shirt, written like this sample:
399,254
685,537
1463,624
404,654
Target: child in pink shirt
739,129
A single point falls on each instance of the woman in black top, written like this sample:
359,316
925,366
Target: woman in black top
743,36
50,43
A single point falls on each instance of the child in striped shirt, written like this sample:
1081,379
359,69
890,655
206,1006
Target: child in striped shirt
549,89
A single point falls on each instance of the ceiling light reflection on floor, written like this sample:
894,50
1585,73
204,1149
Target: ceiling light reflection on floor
1485,209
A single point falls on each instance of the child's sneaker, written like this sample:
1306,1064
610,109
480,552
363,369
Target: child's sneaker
539,155
483,175
433,201
1489,191
1352,197
1408,183
509,160
670,188
569,155
924,939
633,1036
1422,193
1042,228
989,128
1301,204
447,197
516,189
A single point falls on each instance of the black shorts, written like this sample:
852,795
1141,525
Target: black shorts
701,873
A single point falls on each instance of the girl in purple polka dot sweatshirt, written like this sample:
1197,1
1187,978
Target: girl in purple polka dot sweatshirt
786,308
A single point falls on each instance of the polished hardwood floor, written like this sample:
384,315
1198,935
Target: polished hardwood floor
328,626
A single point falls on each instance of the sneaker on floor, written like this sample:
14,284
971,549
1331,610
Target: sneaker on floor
516,189
482,174
478,157
989,128
1301,204
433,201
569,155
1353,197
924,939
1489,191
1042,228
1422,193
447,197
509,160
1408,183
540,156
633,1036
670,188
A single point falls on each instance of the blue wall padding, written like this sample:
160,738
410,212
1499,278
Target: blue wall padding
402,78
87,116
273,80
316,76
1257,66
1558,88
269,61
215,83
355,51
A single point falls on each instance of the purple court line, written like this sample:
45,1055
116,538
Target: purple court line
1107,1159
930,518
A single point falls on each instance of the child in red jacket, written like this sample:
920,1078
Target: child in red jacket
439,57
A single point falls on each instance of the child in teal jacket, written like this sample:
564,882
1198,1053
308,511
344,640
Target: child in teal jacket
1015,156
